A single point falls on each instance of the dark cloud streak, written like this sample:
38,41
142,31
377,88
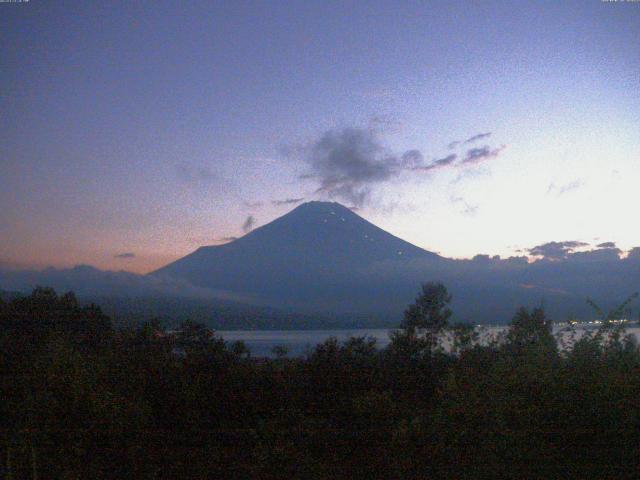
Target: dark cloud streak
556,250
477,137
474,138
248,224
287,201
481,154
438,163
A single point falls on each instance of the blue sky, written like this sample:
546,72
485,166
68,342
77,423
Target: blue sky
154,127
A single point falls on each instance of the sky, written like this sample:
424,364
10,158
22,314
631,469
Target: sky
132,133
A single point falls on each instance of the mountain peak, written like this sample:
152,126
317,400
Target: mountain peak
320,204
317,206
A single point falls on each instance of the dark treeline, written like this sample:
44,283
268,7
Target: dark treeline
81,400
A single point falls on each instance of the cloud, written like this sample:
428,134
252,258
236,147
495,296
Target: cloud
248,224
349,161
469,140
556,250
634,253
287,201
597,255
227,239
412,158
126,255
477,137
559,190
438,163
607,245
253,204
481,154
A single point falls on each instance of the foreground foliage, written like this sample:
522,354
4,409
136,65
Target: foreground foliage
81,400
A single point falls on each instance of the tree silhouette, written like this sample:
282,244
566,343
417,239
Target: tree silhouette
425,319
430,312
531,329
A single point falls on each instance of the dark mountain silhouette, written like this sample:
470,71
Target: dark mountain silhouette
317,256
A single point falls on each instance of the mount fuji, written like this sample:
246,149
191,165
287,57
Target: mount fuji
317,257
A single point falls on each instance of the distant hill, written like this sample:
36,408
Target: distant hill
129,298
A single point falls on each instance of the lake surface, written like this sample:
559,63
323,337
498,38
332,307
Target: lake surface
298,342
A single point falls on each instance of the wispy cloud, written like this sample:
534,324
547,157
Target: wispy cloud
438,163
559,190
477,137
287,201
126,255
472,139
481,154
467,209
248,224
607,245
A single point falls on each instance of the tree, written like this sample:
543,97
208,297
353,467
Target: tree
429,315
423,322
531,329
192,333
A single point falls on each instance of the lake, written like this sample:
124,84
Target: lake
298,342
